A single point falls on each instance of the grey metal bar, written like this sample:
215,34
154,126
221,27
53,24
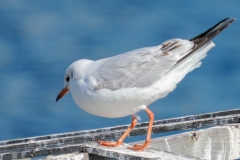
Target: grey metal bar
123,127
29,145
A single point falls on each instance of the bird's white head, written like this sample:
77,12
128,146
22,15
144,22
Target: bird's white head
76,70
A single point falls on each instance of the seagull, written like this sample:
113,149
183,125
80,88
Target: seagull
127,83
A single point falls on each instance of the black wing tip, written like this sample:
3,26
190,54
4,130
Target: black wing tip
208,35
230,21
234,19
220,26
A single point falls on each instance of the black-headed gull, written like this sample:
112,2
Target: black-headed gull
124,84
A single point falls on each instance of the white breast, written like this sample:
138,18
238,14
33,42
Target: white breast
111,104
128,101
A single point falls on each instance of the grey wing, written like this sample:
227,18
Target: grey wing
205,37
144,67
139,68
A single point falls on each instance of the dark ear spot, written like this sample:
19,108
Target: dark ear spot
67,78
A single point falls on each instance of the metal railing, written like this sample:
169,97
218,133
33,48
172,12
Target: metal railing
74,141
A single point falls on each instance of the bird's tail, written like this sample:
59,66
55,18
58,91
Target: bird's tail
192,60
215,30
205,37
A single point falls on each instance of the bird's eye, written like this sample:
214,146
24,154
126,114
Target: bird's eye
67,78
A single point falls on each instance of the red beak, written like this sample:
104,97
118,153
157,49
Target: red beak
62,93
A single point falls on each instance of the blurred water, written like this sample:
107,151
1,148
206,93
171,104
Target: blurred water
40,39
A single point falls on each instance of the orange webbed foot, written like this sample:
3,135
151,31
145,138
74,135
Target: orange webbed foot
136,147
140,147
121,139
110,144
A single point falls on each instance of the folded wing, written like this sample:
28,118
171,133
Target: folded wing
144,67
140,68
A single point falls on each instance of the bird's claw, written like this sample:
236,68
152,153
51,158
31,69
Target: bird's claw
140,147
109,144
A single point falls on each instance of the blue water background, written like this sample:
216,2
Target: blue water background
40,39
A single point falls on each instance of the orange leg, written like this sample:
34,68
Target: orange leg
121,139
138,147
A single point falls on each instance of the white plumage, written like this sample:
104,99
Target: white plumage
117,86
124,84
